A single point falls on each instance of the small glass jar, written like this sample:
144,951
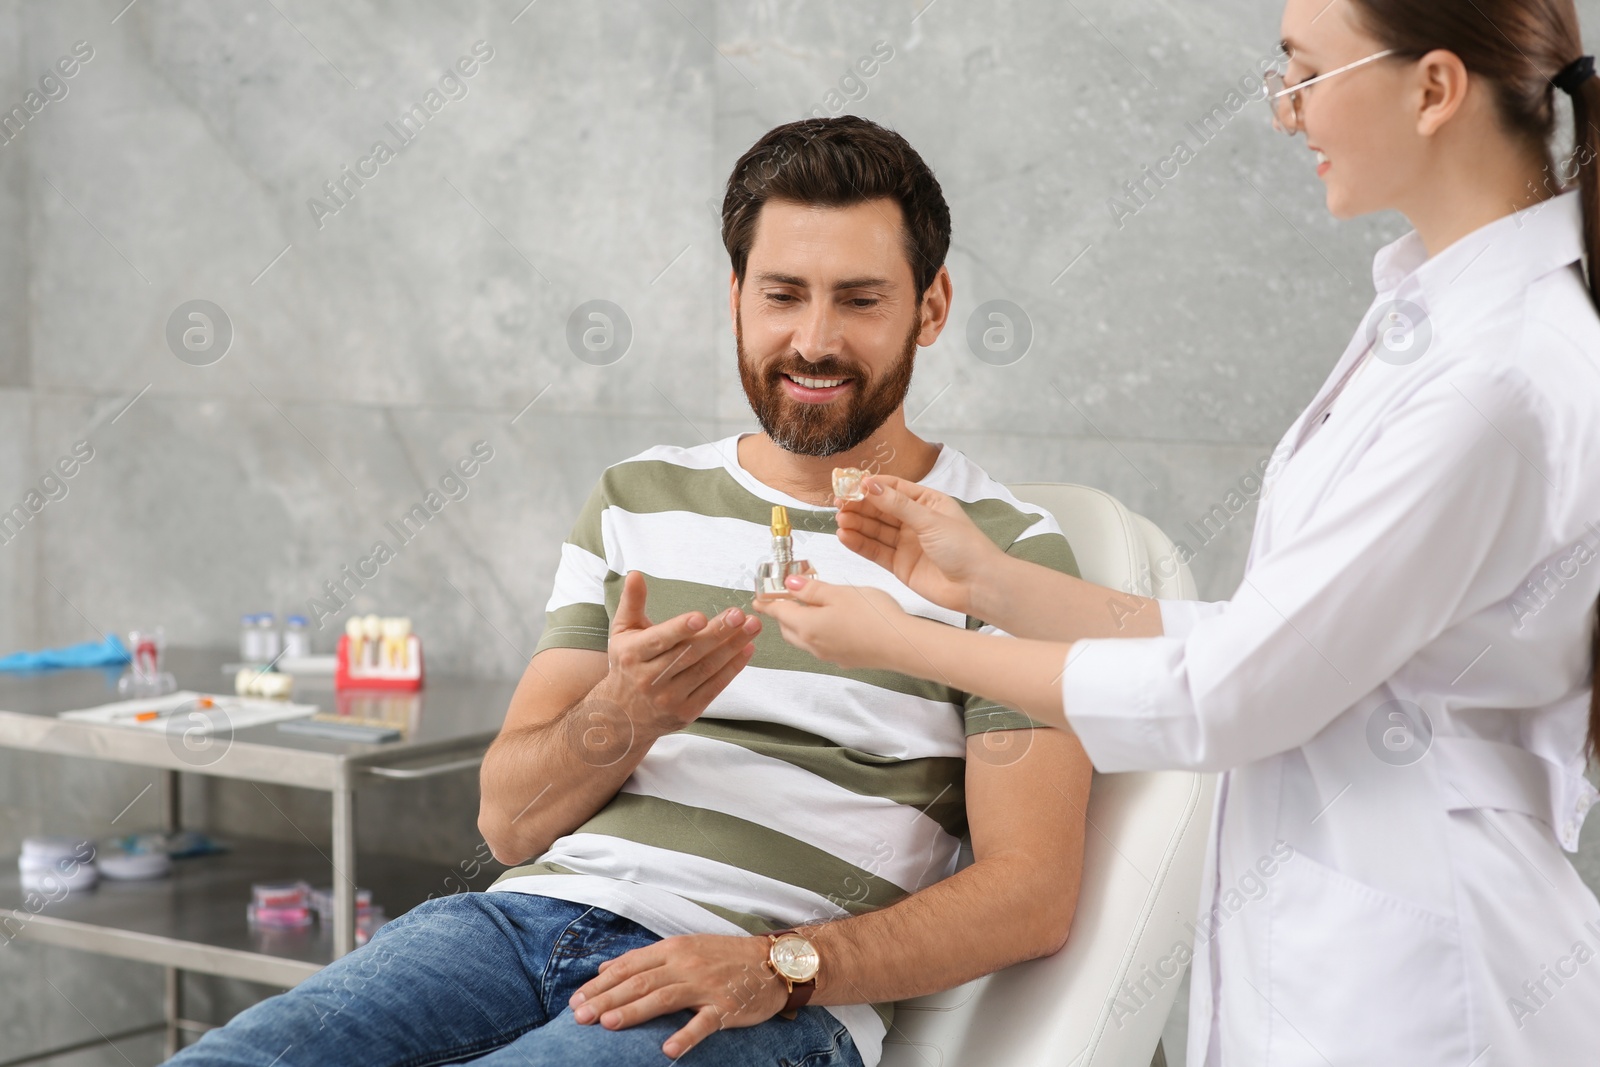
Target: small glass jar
296,637
267,625
248,642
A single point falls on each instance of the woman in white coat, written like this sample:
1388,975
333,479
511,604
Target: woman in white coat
1399,694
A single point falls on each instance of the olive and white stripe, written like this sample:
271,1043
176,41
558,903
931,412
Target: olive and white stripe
805,791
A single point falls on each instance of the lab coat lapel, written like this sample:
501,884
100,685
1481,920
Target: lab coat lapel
1289,444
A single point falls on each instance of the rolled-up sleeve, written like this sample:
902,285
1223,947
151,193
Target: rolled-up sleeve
1442,516
576,615
1178,617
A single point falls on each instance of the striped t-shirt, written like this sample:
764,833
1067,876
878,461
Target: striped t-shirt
804,792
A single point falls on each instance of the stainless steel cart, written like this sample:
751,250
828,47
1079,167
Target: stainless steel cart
195,919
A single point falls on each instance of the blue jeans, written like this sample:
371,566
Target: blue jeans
485,978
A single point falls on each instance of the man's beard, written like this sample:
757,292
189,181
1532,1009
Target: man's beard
831,428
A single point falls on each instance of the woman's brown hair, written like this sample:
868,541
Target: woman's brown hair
1522,48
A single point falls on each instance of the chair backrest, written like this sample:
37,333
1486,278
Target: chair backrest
1115,547
1103,999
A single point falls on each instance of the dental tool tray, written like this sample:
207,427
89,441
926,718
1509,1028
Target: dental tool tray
402,671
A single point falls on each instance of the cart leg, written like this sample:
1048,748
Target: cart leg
172,803
172,822
173,1009
344,871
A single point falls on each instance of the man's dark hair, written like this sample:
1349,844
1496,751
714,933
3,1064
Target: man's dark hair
838,162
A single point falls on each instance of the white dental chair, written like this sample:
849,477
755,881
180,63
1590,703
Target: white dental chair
1141,875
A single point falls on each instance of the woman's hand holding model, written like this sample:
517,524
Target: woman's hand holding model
927,541
922,537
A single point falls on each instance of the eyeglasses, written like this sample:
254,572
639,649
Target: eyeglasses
1287,114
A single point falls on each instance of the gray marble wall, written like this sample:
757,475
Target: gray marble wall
381,325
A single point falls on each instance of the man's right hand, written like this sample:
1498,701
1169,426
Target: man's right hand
663,675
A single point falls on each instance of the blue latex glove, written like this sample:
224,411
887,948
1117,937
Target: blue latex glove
108,653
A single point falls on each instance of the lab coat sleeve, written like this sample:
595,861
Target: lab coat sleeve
1441,516
1178,617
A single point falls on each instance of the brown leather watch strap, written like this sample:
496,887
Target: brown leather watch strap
799,992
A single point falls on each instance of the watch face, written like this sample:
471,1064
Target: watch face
795,958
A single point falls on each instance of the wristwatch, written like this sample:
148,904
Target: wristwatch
794,958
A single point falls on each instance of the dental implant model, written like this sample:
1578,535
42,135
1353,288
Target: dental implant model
355,630
378,652
770,575
371,646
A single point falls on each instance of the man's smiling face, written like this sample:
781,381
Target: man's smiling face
827,322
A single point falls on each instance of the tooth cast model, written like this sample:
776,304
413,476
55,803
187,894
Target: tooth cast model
380,645
847,483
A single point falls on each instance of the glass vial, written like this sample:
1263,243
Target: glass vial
296,637
268,624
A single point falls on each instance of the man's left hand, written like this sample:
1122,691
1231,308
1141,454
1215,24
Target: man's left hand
723,980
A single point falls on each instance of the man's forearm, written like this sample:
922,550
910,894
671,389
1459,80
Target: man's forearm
1027,600
543,781
982,918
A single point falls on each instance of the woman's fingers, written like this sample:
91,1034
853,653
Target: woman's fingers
863,532
896,502
796,631
804,594
870,549
867,510
807,590
888,481
886,487
869,522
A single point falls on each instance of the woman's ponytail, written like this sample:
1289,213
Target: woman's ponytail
1579,80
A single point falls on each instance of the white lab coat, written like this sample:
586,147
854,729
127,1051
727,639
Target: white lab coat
1374,895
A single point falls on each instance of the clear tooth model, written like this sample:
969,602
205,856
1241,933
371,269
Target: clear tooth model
770,575
847,483
395,632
